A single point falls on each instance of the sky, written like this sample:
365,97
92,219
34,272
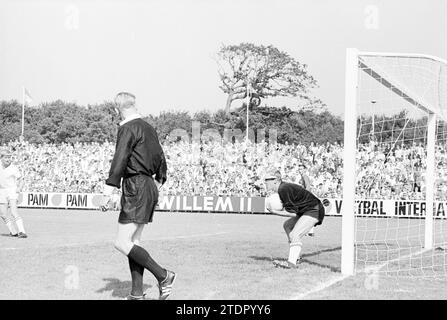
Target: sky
163,51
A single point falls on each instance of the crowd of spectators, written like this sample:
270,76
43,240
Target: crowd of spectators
71,168
383,171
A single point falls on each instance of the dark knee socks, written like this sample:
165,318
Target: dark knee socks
142,257
136,272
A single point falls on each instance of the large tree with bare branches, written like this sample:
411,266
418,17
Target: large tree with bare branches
268,71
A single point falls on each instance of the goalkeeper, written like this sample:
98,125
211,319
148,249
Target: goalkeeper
302,207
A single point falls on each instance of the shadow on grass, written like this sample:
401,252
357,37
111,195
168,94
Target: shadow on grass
120,289
6,235
304,260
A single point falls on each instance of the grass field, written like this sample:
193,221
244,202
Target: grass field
216,256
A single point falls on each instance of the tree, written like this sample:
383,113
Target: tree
268,72
168,121
11,111
102,123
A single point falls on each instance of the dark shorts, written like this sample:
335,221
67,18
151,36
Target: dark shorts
317,212
138,200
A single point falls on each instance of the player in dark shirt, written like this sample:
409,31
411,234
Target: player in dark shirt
303,208
139,167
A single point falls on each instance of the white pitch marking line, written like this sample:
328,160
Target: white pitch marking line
320,287
331,282
107,241
377,268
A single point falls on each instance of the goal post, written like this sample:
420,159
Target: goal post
430,181
395,109
350,132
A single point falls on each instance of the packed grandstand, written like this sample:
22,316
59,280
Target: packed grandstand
234,169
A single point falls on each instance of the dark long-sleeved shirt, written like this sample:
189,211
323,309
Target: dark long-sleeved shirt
138,151
296,199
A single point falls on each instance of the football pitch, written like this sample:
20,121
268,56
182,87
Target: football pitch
69,254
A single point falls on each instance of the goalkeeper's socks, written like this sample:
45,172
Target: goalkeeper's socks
136,272
294,252
142,257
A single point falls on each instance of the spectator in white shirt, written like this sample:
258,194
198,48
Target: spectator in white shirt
9,188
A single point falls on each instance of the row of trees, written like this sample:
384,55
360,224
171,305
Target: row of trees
257,70
59,121
260,71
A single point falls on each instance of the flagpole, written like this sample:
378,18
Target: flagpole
248,103
23,111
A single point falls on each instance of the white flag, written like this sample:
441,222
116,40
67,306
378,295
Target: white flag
27,97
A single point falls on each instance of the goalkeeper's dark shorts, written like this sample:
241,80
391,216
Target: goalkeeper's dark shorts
316,212
138,199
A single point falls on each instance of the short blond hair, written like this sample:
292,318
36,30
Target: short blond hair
125,100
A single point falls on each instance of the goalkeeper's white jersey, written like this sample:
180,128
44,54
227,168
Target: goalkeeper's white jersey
9,176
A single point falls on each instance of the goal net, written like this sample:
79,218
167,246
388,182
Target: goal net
395,201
